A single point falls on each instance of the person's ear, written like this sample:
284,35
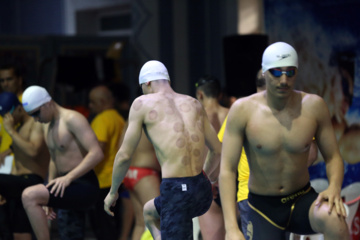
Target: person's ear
199,95
18,108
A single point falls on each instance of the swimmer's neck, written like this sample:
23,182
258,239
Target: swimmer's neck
277,103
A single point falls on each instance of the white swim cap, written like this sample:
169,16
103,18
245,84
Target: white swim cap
33,97
279,54
153,70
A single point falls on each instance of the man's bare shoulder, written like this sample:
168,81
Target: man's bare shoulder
310,96
250,101
313,103
70,114
72,117
243,108
311,100
38,127
143,102
150,100
190,99
180,97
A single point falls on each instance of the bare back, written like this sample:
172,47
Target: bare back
174,124
32,132
277,143
217,116
65,150
144,155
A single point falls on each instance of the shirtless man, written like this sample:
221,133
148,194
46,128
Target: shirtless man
31,161
276,128
11,80
178,128
74,152
207,92
142,181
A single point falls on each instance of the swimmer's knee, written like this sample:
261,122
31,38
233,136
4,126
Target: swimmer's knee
324,222
149,206
31,195
27,197
149,211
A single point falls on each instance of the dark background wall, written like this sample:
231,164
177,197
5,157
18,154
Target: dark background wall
188,36
31,17
185,35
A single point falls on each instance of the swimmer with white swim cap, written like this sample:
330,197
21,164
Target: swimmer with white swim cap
34,97
178,128
74,151
279,54
153,70
276,127
31,161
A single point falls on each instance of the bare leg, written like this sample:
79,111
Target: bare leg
212,223
139,227
22,236
146,189
152,219
331,225
127,218
33,199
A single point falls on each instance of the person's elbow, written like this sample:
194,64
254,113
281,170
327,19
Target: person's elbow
122,157
216,149
98,155
226,168
33,152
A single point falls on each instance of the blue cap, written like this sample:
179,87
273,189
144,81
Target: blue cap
8,101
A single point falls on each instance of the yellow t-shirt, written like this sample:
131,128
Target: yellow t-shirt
243,169
6,140
146,235
108,126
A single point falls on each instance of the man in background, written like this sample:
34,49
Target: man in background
31,161
208,92
11,80
74,152
107,125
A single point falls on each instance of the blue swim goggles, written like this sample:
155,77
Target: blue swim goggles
277,72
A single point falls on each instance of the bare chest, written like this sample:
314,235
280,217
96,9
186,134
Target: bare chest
58,138
269,134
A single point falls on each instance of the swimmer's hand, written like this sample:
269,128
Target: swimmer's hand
50,213
58,185
110,201
333,197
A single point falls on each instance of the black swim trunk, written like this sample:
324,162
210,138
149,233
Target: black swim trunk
180,200
273,215
81,194
11,187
